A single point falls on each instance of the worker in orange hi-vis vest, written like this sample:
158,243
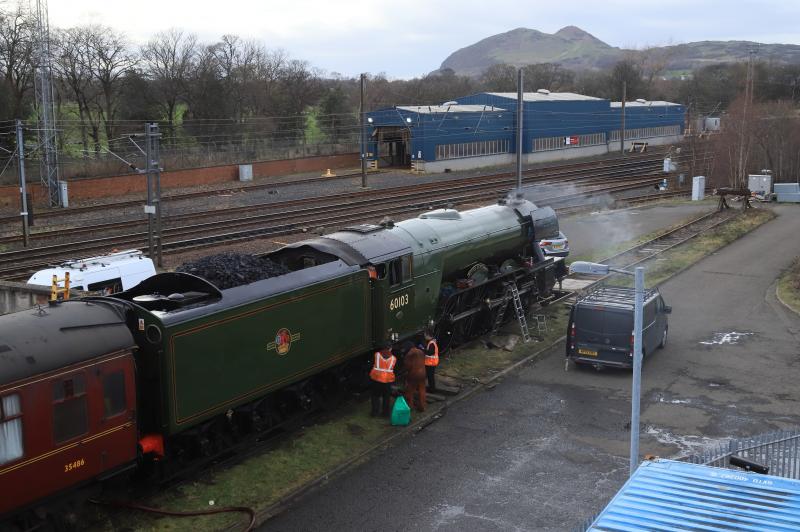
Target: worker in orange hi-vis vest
382,376
431,349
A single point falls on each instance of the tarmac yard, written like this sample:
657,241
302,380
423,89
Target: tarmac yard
546,449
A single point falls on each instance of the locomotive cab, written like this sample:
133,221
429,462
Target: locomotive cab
390,263
393,297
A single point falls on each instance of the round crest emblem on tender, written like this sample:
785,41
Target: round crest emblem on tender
283,341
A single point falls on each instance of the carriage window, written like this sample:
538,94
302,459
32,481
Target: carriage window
10,428
114,394
70,418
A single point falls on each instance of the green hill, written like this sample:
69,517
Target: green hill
576,49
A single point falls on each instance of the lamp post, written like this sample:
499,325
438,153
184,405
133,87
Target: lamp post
594,268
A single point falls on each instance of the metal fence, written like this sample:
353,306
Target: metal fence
779,450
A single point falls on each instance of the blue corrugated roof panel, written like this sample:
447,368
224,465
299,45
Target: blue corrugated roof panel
670,495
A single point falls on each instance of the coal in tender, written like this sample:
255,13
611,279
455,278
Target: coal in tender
228,270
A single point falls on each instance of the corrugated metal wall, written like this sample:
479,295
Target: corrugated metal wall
542,119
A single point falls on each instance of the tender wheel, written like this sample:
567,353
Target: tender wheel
663,343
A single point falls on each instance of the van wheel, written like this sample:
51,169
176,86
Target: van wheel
663,343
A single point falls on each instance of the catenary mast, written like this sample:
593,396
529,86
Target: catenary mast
45,105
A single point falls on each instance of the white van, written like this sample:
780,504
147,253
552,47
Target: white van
105,274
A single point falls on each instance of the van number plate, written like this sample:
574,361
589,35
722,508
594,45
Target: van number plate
588,352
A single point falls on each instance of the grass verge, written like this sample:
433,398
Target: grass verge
261,481
789,286
477,360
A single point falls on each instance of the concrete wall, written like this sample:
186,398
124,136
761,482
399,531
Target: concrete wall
20,296
467,163
652,141
112,187
565,154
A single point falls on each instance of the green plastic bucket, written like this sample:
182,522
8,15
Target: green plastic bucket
401,413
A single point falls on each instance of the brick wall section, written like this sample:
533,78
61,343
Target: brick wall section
120,185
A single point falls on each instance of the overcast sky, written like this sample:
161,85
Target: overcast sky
412,37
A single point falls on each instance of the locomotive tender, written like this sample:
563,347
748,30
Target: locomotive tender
175,369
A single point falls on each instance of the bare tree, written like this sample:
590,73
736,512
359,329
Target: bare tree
238,61
652,62
548,76
110,61
777,139
269,69
500,77
75,82
733,148
168,60
628,71
301,88
16,54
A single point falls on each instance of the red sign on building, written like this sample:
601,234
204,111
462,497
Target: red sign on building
571,141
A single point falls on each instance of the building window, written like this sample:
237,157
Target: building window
114,394
646,132
70,408
568,141
471,149
10,428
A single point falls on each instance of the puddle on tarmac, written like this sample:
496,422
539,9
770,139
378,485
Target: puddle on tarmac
726,338
674,401
688,444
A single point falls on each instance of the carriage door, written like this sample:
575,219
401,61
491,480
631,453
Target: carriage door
396,296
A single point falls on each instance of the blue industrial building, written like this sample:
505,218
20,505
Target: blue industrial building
480,130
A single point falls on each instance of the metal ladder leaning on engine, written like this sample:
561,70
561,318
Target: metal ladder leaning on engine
513,294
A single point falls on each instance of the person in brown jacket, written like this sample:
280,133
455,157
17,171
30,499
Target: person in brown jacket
414,363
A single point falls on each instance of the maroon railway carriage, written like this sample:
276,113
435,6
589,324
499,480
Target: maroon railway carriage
67,400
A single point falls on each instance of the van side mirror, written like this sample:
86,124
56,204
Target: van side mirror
667,310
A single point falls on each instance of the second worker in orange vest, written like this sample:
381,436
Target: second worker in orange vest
382,377
431,360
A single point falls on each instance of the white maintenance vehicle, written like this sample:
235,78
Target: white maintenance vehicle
104,274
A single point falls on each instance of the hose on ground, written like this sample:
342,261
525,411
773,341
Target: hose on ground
188,513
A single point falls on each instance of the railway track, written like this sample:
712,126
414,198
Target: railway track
651,249
65,234
330,211
19,264
562,171
62,234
